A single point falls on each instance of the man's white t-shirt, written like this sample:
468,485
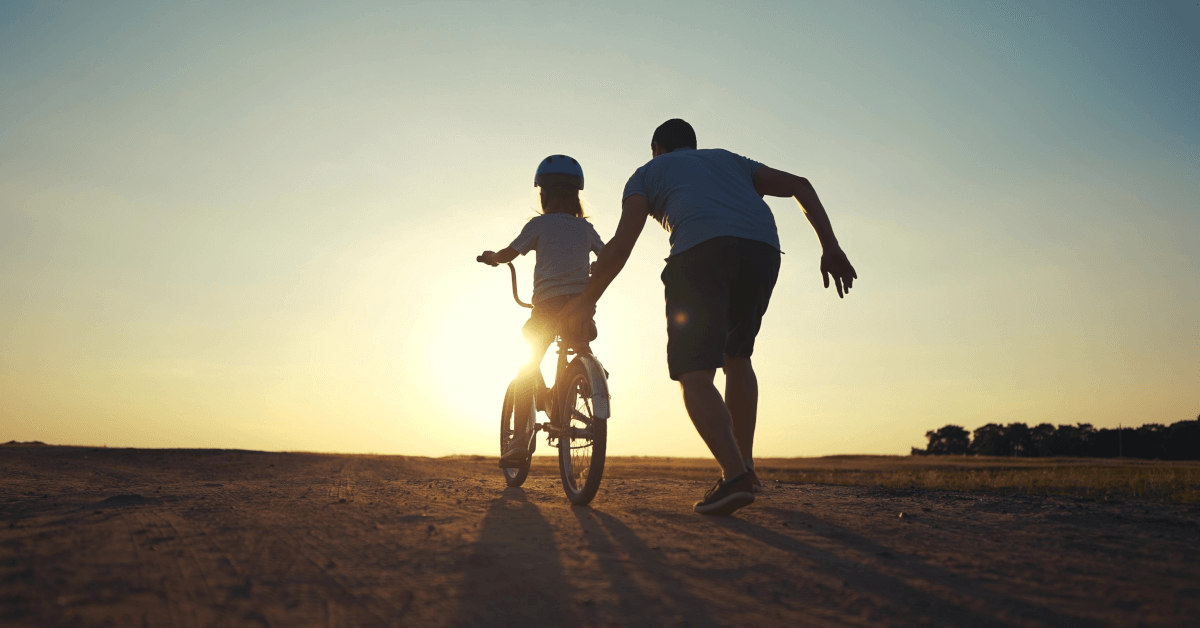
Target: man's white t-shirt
563,243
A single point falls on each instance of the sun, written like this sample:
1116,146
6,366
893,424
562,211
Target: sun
475,348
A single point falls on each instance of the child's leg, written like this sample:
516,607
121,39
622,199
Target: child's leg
539,341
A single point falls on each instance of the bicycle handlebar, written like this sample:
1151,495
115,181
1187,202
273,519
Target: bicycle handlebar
512,269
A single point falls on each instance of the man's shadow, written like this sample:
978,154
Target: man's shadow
671,604
514,576
897,591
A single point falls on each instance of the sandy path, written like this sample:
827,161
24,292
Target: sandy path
206,538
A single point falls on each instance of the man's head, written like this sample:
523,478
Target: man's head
670,135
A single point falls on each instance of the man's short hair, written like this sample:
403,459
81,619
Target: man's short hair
674,133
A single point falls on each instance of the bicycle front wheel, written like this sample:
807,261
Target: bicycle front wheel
514,476
583,439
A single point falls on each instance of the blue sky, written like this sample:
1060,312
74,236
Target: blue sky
254,225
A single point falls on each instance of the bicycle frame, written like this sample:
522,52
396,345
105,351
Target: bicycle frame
578,417
597,380
597,375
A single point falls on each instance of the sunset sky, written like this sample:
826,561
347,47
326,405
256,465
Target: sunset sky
254,225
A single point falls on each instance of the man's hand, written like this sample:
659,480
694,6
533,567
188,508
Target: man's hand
488,257
575,315
834,262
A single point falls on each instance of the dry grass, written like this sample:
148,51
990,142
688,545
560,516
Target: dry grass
1088,478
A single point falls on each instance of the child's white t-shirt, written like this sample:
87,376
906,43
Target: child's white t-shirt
563,243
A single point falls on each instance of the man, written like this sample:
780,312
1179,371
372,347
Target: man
718,281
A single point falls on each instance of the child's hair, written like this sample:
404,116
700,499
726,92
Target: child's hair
565,203
560,178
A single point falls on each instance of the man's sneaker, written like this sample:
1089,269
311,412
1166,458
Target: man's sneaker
726,496
755,484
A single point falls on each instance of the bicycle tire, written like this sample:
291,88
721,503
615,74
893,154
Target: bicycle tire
513,476
583,444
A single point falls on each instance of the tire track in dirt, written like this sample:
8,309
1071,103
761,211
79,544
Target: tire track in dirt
153,547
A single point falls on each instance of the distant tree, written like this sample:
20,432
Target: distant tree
1017,440
1183,441
989,440
1148,441
1179,441
1041,440
1074,440
1104,444
950,440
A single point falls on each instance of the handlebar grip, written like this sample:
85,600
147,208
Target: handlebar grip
479,258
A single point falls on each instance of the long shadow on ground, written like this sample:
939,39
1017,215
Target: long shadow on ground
669,603
514,574
897,592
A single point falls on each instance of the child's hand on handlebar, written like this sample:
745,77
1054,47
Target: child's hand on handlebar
487,258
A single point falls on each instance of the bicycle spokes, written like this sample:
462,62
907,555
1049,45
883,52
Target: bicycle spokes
579,432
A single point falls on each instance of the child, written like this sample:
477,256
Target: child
563,239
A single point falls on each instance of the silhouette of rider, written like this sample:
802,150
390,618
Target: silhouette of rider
718,281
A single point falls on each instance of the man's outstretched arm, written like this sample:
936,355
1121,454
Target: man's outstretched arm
772,182
612,258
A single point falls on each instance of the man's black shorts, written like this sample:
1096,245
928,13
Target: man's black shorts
717,293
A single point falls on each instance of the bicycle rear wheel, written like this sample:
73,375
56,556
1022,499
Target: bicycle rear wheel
514,476
583,439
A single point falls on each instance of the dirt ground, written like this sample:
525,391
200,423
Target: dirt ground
117,537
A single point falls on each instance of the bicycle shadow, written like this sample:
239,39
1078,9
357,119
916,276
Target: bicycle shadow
672,605
514,576
898,591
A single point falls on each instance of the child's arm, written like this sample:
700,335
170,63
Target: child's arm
596,244
505,255
525,242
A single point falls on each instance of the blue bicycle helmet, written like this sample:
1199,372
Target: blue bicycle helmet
559,165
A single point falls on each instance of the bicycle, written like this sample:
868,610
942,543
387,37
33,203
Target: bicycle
578,410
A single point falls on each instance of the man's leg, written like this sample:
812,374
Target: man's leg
741,397
750,294
712,420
